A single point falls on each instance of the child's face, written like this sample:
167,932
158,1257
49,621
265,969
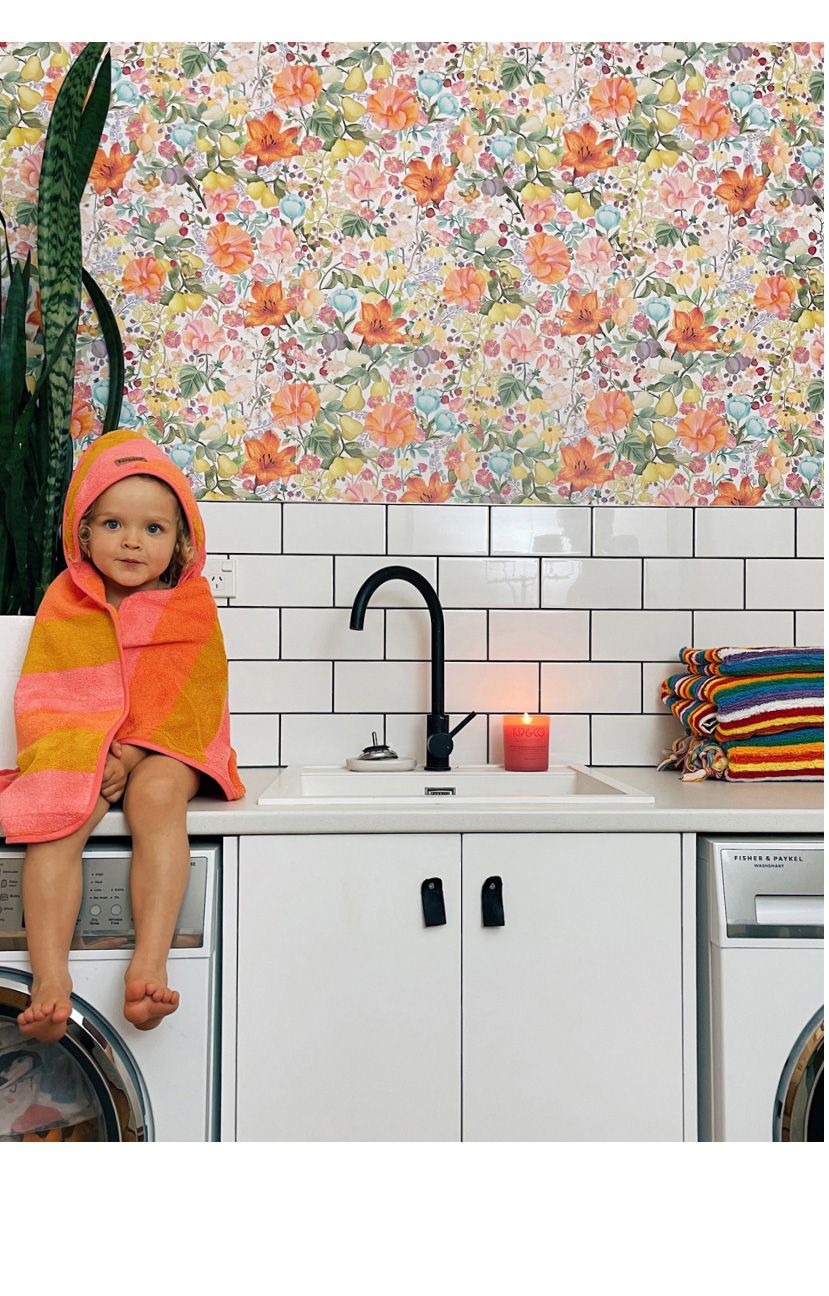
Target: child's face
132,534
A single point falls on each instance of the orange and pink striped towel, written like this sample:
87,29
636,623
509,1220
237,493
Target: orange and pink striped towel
153,673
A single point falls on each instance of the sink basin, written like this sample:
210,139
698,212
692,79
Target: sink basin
482,785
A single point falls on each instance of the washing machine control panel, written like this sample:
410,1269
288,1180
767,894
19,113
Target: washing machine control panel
105,916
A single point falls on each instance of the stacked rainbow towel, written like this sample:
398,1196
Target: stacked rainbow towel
749,713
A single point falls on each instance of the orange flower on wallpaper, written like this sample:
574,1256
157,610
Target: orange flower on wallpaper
548,259
609,412
145,277
391,426
420,492
270,306
691,333
297,86
392,108
465,287
267,459
584,152
706,119
582,467
82,420
728,495
377,326
702,432
268,142
740,195
776,294
613,97
428,184
583,315
109,173
294,404
229,248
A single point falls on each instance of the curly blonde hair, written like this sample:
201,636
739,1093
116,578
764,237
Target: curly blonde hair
183,551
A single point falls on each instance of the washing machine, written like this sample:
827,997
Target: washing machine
105,1081
760,989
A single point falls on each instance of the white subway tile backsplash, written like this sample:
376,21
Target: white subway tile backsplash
409,634
640,532
305,581
538,635
653,673
540,529
639,636
492,686
809,532
632,740
591,686
250,632
324,634
489,582
784,583
745,533
334,528
591,582
437,529
326,739
693,583
255,739
382,686
743,629
237,527
351,572
809,629
279,686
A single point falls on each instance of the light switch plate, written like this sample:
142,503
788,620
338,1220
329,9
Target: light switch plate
221,573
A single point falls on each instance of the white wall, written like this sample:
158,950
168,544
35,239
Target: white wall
578,612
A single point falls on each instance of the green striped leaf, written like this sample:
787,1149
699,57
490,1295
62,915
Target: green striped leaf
91,127
115,352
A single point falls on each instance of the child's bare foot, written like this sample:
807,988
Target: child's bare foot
46,1017
147,1000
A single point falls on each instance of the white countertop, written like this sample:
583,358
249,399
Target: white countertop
707,807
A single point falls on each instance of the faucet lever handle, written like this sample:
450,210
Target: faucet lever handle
463,722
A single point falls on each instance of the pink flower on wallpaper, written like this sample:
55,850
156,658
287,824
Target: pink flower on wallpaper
202,336
365,182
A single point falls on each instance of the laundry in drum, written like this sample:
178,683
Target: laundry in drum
44,1095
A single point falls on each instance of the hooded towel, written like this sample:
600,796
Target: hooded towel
152,673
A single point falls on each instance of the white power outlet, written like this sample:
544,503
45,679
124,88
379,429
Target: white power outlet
221,573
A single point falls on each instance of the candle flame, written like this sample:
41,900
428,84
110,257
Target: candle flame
526,717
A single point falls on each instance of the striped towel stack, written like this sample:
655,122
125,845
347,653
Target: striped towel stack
749,714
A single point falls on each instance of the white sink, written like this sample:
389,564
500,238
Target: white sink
561,785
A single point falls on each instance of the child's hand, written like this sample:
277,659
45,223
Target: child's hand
115,775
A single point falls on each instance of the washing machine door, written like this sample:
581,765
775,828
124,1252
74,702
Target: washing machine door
798,1107
84,1088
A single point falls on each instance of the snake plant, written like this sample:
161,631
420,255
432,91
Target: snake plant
35,439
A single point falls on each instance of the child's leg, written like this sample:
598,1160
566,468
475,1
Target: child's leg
155,805
52,880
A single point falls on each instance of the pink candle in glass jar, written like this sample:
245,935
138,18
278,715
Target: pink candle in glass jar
526,742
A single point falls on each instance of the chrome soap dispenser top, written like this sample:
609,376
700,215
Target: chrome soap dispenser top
439,736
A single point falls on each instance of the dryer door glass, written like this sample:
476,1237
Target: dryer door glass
798,1108
76,1090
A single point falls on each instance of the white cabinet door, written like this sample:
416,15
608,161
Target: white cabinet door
348,1005
572,1009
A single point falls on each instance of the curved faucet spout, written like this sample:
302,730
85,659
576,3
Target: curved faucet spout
378,578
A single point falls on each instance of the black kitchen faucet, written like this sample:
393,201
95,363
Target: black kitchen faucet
439,736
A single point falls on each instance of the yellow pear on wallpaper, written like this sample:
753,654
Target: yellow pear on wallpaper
666,120
546,158
32,69
59,59
669,92
662,433
226,467
695,82
352,109
666,405
339,150
543,474
650,473
380,389
228,146
692,395
353,399
349,426
572,199
28,97
355,82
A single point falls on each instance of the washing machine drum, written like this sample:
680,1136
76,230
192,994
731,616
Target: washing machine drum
83,1089
798,1108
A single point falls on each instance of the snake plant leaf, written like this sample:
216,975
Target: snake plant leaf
59,262
13,351
91,126
115,352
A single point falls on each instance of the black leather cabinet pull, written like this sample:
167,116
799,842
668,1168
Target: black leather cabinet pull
492,903
431,895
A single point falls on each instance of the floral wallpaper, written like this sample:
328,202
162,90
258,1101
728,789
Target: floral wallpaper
471,273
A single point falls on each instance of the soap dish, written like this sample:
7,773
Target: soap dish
377,766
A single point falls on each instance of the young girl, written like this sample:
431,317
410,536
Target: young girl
123,692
